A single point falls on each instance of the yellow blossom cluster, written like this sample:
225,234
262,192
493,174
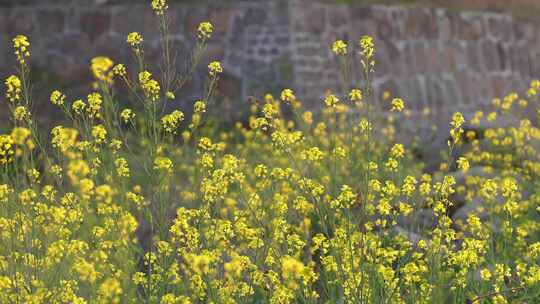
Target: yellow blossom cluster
57,98
6,149
13,88
149,86
170,122
128,205
22,48
339,47
205,30
102,68
214,68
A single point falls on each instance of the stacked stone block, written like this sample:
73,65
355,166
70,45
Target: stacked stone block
436,58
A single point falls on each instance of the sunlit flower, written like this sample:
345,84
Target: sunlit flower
339,47
170,122
13,88
127,115
204,31
149,86
355,95
134,39
101,68
99,133
57,98
397,105
159,6
214,68
331,100
6,149
22,48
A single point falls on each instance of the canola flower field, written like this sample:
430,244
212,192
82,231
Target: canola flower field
143,205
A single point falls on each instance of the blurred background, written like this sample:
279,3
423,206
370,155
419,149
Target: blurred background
441,55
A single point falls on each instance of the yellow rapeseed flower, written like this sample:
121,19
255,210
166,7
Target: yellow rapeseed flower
355,95
134,39
163,164
149,86
339,47
214,68
367,46
6,149
127,115
57,98
13,88
170,122
19,135
22,48
463,164
159,6
21,113
397,105
101,68
331,100
99,133
204,31
287,96
119,70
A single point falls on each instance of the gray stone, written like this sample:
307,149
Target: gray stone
478,207
419,220
75,43
95,23
255,16
469,27
338,15
21,20
500,27
112,46
414,238
5,57
524,31
452,94
420,52
445,26
434,91
474,60
132,18
4,25
490,56
54,19
310,19
390,58
477,171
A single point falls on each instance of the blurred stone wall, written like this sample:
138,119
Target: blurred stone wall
442,59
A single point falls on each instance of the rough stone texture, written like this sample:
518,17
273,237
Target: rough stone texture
444,59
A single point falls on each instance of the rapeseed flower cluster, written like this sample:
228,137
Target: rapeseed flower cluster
339,47
13,89
205,30
170,122
57,98
149,86
214,68
22,48
102,68
6,149
134,39
127,205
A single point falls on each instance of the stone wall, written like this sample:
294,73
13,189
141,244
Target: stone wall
432,57
446,60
